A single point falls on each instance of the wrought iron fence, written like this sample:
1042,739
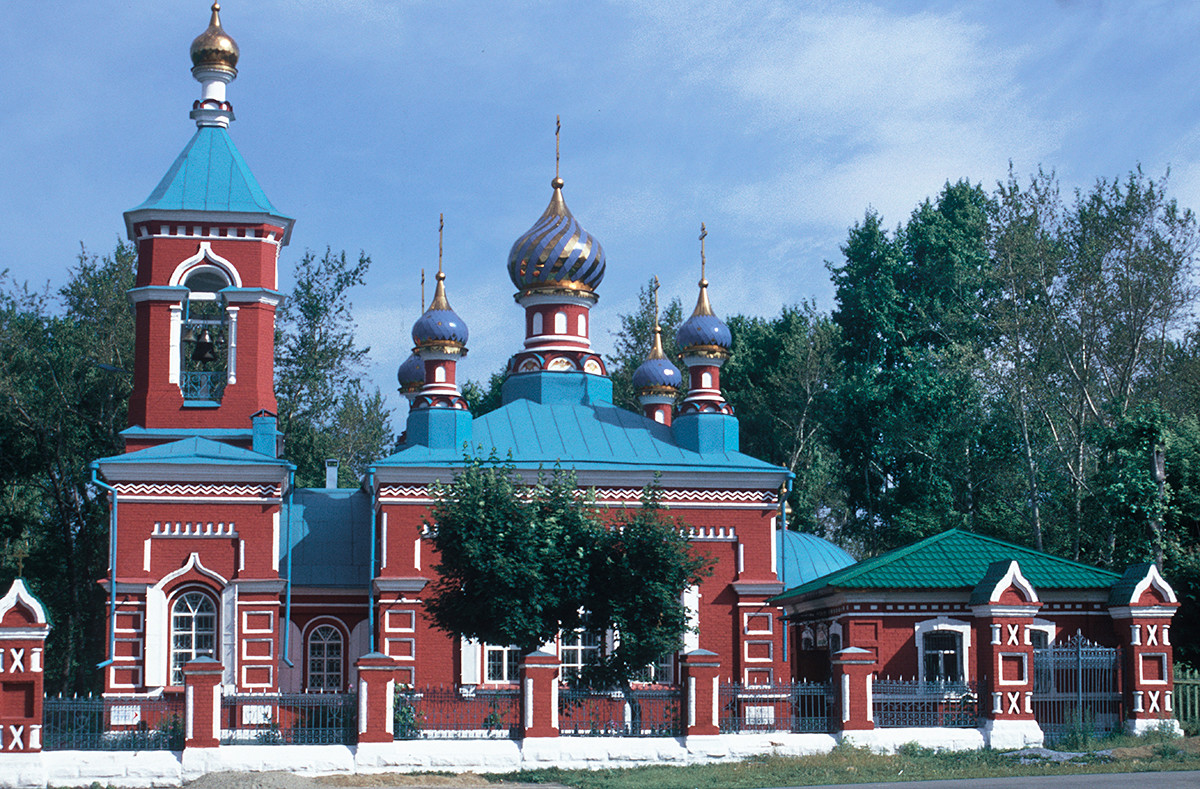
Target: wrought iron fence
642,712
202,384
900,702
791,706
289,719
112,723
456,712
1076,690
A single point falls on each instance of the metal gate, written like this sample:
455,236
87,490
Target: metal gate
1077,690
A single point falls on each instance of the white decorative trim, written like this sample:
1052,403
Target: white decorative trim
472,669
231,355
1000,680
173,340
1153,578
1013,577
19,593
691,605
205,258
193,563
193,530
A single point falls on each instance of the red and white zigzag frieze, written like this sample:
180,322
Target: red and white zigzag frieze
681,496
194,491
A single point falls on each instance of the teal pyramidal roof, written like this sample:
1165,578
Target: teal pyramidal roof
957,559
597,436
194,451
209,175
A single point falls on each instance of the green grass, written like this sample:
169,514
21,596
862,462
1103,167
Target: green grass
846,764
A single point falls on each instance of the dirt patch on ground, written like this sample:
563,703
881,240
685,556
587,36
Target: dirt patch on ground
284,780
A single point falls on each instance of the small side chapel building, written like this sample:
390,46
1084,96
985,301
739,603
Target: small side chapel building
215,551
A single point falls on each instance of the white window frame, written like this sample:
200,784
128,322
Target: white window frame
509,659
180,656
942,623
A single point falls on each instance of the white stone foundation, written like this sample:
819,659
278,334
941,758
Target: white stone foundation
1010,735
1140,726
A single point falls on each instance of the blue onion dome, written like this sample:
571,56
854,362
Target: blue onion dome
440,326
411,375
656,375
806,557
704,331
556,253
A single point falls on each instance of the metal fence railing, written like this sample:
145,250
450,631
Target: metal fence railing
1076,690
456,712
899,702
289,719
112,723
790,706
642,712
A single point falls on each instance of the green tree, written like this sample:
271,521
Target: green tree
780,380
324,410
64,388
518,564
485,398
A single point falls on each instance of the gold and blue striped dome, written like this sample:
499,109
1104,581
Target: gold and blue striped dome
556,253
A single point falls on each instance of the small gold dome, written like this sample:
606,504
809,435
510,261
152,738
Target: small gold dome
214,48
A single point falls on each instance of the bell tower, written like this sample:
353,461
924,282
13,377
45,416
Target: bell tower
206,292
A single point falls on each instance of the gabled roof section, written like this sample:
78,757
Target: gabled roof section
330,538
957,559
209,175
591,437
195,450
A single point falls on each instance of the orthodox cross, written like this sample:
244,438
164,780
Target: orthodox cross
656,301
20,552
422,290
557,132
441,225
703,235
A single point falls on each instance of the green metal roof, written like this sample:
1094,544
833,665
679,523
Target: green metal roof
957,559
209,175
596,436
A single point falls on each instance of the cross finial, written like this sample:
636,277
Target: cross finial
703,235
20,552
441,226
557,134
656,285
422,290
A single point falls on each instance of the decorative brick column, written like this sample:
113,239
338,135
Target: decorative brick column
1141,605
539,695
376,697
202,703
1004,605
700,670
853,673
23,631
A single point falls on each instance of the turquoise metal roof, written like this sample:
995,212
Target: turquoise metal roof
806,557
597,436
330,539
209,175
199,451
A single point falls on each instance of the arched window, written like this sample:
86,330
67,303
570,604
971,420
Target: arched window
205,336
193,631
439,374
325,659
560,323
806,639
537,323
582,325
706,380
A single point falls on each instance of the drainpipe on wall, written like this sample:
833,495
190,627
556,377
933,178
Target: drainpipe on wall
371,574
287,606
112,568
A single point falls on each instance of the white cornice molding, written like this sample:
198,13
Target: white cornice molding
137,216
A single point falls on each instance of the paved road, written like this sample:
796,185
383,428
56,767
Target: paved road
1178,780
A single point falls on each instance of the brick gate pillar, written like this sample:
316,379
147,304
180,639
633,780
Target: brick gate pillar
539,695
853,673
1004,605
202,703
1141,605
376,697
701,692
23,631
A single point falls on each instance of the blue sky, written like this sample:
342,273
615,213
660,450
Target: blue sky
777,124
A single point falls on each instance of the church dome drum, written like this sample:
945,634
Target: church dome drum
556,253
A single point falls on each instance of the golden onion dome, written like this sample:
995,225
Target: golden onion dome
214,48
